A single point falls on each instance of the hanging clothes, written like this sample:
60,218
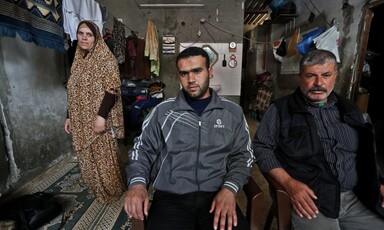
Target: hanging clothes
75,11
119,42
152,48
262,85
132,45
142,64
132,54
108,39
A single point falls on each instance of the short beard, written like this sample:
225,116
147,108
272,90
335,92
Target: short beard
199,94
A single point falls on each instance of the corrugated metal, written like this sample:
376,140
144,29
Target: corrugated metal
255,10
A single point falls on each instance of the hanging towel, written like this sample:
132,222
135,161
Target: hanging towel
152,48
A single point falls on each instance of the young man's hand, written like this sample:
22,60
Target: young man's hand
224,208
136,202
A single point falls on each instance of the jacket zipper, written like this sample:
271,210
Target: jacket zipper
197,158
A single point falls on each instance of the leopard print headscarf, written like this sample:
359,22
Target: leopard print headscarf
93,73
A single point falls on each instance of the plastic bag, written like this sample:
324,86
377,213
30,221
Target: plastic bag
304,46
329,41
280,49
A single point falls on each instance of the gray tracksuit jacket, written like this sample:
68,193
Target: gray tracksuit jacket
181,152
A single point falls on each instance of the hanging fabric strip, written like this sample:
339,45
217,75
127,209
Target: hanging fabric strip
152,48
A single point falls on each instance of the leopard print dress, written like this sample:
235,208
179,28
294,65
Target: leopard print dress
93,74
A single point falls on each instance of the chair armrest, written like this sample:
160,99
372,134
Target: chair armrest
282,203
137,224
254,204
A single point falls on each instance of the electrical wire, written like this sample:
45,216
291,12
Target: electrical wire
123,23
318,11
306,5
203,20
209,33
193,43
137,5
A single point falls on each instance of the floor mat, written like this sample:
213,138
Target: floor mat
81,210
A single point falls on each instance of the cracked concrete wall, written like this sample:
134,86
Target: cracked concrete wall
32,111
3,156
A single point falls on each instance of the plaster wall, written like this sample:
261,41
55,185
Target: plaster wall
32,111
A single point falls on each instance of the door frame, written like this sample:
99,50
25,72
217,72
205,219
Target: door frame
368,13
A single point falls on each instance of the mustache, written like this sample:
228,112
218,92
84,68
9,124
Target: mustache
193,85
317,88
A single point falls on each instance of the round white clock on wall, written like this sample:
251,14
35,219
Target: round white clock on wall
232,45
232,63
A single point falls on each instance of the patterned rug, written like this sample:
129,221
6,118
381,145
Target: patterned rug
81,210
38,21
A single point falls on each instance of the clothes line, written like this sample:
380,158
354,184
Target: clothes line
108,13
114,17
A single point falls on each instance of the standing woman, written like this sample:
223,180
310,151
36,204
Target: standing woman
95,115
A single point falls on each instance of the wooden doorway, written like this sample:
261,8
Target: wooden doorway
368,73
371,46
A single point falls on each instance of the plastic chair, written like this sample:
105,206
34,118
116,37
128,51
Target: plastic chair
254,207
280,207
